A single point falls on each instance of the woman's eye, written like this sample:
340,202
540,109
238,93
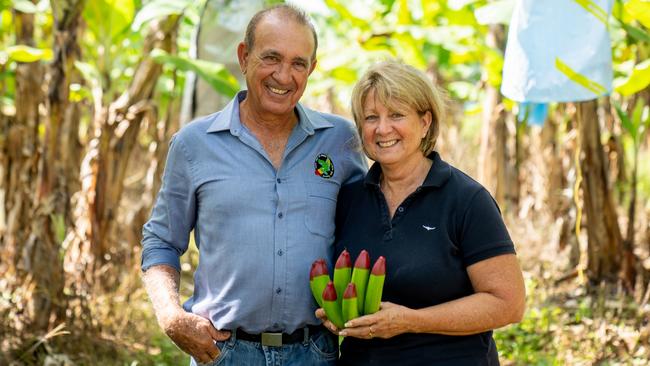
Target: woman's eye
396,115
370,118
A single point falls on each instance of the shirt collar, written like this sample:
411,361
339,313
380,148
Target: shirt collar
437,176
228,119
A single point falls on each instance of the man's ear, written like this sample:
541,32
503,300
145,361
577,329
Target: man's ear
313,66
242,55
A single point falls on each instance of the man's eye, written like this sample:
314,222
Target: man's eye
270,59
300,65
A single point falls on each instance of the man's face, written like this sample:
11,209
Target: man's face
278,65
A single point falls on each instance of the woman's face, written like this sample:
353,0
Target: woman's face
392,136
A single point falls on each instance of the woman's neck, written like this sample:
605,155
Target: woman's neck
398,178
397,183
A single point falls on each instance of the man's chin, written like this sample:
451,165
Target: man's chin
279,109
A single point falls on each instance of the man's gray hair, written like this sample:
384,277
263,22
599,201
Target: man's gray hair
286,10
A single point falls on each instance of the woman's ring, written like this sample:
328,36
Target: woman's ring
370,332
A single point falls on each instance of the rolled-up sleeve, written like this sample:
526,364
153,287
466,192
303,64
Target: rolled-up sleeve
165,236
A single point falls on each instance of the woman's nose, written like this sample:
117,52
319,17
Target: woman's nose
383,125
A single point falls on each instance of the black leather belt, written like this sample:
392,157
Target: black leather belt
278,339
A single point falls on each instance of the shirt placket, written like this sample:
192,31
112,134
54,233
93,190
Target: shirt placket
279,250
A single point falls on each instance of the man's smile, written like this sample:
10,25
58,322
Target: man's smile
278,91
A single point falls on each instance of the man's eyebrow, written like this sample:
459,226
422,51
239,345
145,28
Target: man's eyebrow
271,53
279,55
301,59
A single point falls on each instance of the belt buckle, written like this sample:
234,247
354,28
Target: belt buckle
272,339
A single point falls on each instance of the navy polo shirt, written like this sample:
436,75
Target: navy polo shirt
446,225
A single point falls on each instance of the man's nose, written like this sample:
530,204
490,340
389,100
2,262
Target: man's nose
283,73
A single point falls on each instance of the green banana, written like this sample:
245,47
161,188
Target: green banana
342,273
350,306
331,307
375,286
360,277
318,279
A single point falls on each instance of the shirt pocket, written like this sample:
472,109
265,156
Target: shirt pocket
321,203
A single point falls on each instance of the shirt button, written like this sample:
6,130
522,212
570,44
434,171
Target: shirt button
278,290
280,252
279,180
280,215
400,209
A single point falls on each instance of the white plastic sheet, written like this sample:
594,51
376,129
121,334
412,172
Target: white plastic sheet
558,51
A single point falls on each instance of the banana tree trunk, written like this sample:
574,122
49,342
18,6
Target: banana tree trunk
604,247
494,169
104,166
20,154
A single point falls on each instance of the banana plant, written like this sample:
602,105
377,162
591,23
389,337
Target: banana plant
636,126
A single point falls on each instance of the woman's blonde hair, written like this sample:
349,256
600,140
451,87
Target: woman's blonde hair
396,84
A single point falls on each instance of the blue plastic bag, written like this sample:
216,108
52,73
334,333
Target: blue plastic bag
558,51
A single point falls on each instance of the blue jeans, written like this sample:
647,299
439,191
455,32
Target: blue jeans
320,350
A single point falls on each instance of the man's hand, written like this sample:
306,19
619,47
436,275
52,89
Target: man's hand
320,314
191,333
195,335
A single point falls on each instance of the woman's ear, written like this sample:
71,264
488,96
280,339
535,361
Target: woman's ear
426,122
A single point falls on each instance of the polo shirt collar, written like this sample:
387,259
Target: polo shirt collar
228,119
437,176
439,172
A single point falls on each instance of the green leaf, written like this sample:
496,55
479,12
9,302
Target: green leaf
492,61
22,53
636,33
640,10
459,4
450,37
78,93
403,13
497,12
409,49
158,9
5,21
636,113
213,73
108,19
345,14
344,74
89,73
626,122
461,89
25,6
638,80
376,43
58,227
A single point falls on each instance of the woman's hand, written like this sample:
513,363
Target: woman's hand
320,314
389,321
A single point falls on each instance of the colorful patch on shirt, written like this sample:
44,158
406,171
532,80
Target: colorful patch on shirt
324,166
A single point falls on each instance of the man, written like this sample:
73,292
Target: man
258,183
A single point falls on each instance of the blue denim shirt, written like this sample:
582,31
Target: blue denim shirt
257,229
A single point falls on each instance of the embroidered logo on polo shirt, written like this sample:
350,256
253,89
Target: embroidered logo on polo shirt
324,167
428,228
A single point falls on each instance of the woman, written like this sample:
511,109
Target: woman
452,274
